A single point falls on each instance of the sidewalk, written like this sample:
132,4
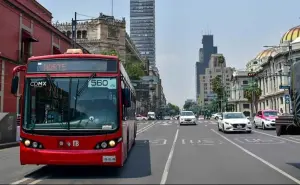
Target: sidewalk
9,145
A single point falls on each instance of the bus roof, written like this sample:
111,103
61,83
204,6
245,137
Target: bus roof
61,56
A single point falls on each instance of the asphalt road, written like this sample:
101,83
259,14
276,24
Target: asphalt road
166,153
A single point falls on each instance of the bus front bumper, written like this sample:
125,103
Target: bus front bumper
102,157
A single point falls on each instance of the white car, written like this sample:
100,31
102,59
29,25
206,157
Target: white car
140,117
234,122
216,116
187,117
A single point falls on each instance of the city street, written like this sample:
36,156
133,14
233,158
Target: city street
166,153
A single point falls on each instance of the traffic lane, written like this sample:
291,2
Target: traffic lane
144,123
144,166
281,152
10,168
202,156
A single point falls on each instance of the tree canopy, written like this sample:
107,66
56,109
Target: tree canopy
172,109
134,68
253,89
217,86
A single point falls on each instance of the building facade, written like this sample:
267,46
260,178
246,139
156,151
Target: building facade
26,31
272,67
142,28
240,81
103,34
214,69
204,57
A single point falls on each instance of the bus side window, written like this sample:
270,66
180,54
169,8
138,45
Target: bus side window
124,116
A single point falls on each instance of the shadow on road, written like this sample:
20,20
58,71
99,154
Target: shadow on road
138,165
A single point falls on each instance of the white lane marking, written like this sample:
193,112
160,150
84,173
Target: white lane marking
145,128
168,163
39,180
277,137
21,181
260,159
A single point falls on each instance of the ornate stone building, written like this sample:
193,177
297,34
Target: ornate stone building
102,34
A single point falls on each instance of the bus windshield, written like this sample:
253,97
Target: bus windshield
70,103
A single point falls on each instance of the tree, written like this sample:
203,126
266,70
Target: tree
218,89
217,86
253,90
173,109
134,69
188,105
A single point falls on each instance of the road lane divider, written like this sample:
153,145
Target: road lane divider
145,128
259,158
168,163
277,137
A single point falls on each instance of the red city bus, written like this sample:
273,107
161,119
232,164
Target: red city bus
76,109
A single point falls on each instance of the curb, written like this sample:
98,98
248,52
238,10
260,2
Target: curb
9,145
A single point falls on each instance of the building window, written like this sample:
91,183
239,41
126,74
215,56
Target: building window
79,34
246,106
245,82
84,34
26,41
267,102
69,34
281,100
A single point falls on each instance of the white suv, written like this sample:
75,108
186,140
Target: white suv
187,117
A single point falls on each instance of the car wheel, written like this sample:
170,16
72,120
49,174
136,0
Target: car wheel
216,117
249,132
223,129
263,126
219,127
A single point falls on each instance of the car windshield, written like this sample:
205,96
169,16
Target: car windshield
270,113
53,104
187,114
234,115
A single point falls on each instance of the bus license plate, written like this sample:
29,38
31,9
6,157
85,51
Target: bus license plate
109,159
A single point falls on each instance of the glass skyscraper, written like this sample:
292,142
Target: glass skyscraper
142,27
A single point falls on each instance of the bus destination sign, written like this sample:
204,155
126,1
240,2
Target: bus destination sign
72,65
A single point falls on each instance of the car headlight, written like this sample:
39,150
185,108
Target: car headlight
249,123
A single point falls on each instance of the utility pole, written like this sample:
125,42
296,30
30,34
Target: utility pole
74,30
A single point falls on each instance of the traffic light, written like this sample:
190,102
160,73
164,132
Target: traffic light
251,74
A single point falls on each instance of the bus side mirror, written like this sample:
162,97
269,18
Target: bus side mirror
14,85
126,97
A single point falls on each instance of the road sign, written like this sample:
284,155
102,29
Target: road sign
284,87
287,99
212,95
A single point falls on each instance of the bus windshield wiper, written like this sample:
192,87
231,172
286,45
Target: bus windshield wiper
80,90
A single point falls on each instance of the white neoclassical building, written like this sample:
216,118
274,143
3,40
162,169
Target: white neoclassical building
272,67
240,81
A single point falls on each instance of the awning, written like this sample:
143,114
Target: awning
56,50
28,36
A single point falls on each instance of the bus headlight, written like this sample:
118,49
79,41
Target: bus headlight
108,143
103,144
112,143
31,144
27,142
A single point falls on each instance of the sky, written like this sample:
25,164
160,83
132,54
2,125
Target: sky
240,27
